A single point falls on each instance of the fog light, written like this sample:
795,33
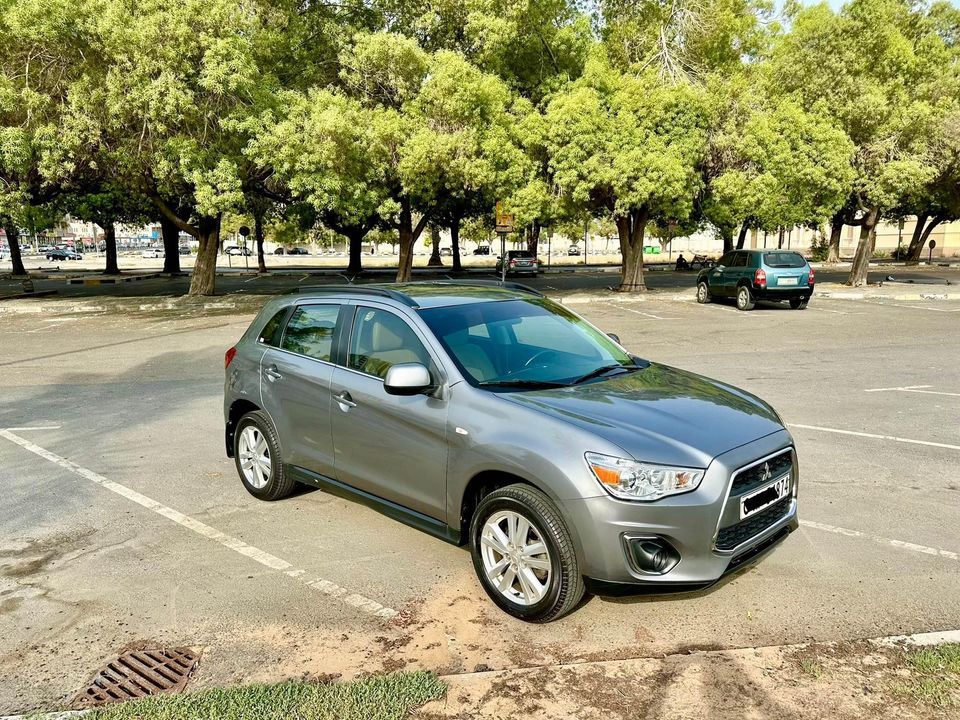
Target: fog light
651,555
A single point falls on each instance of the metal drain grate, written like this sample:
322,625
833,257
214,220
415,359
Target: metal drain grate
140,673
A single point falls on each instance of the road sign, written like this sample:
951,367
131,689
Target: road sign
504,219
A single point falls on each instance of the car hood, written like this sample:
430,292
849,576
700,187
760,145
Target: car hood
660,414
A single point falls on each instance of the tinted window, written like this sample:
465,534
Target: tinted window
740,260
310,331
381,340
784,260
270,335
520,253
726,260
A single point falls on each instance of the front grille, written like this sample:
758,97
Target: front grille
730,537
757,475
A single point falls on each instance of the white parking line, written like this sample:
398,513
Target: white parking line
922,307
873,436
914,389
948,554
35,427
256,554
649,315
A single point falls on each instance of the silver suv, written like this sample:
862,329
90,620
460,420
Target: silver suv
488,415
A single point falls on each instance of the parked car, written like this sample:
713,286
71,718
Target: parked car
482,250
237,250
446,252
152,252
520,262
185,250
63,254
752,275
573,250
489,416
298,251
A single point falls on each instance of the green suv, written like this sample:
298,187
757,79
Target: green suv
752,275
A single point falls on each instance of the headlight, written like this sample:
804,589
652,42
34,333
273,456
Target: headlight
632,480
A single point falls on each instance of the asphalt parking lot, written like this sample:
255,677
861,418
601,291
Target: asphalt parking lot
124,522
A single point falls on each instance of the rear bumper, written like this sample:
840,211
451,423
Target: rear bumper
689,523
783,293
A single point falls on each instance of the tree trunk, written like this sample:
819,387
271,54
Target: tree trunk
920,236
13,243
836,229
355,250
533,237
861,260
727,234
110,244
742,237
631,228
204,278
435,260
408,236
780,237
171,245
455,240
258,236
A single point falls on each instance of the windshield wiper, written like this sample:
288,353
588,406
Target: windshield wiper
531,384
603,370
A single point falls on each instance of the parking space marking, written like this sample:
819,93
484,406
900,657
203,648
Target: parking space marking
921,307
939,552
35,427
649,315
254,553
874,436
914,389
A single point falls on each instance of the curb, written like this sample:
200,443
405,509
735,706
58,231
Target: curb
111,280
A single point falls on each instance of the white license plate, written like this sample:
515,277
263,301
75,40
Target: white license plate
787,281
765,497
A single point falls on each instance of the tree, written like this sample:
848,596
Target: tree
106,205
881,90
629,146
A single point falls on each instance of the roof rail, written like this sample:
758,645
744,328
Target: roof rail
352,289
483,283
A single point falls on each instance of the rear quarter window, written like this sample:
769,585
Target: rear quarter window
784,260
270,335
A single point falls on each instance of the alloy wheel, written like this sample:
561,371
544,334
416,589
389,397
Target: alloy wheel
254,454
515,557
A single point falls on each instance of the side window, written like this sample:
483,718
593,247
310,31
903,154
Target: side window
310,331
726,260
270,335
381,340
740,260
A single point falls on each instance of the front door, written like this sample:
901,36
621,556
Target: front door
720,275
295,386
391,446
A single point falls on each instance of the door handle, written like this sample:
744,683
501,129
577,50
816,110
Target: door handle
272,373
345,400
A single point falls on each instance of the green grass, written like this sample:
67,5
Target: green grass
811,667
383,697
939,670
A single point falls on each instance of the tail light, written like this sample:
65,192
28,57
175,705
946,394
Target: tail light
812,278
760,278
513,263
228,357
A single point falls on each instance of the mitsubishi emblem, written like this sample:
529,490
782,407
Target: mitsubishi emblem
766,473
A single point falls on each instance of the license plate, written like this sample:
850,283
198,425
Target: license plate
787,281
765,497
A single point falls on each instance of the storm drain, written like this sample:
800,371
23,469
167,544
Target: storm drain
138,674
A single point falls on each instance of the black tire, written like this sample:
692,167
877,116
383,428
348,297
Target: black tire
703,293
279,484
798,303
745,299
566,586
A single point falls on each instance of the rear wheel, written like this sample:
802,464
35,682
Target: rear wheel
745,299
256,451
703,293
523,554
798,303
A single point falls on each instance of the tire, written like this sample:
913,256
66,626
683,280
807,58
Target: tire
560,587
703,293
798,303
745,299
276,484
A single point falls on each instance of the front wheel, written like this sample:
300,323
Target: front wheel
745,299
798,303
523,554
703,293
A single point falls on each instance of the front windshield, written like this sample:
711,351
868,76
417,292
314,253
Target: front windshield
523,342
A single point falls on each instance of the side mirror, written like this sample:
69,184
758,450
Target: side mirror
615,338
407,379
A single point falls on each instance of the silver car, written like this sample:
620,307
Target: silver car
488,415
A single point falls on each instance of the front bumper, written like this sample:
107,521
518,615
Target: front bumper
690,523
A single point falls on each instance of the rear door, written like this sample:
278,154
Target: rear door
390,446
295,380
